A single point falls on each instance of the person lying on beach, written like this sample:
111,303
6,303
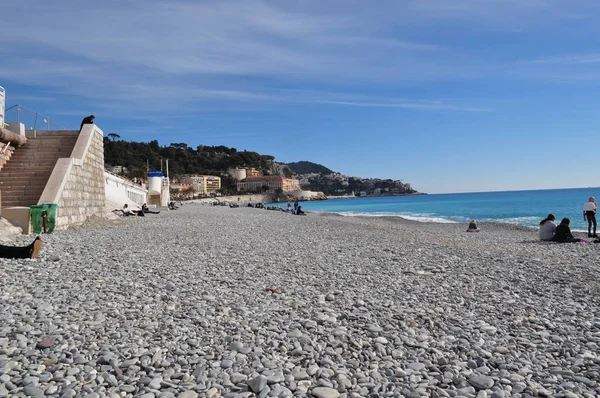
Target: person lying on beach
29,251
563,233
547,228
128,212
473,226
145,209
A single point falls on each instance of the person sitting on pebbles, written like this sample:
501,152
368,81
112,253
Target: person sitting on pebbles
563,233
547,228
128,212
146,209
473,226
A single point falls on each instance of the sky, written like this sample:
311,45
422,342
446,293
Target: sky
448,95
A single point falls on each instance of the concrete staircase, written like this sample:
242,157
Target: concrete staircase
24,177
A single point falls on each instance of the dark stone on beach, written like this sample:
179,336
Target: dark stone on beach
46,343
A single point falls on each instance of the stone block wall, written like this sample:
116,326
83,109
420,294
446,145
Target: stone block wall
77,183
83,194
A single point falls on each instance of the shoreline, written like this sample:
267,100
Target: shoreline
431,220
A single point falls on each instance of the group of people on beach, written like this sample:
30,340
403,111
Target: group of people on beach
140,212
550,232
296,210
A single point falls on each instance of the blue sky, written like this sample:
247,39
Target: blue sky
449,95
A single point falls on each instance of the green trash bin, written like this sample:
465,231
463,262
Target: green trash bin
38,213
51,217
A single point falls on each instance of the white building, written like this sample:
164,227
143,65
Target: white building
119,191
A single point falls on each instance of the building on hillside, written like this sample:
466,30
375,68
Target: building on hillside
203,184
181,191
117,169
252,172
253,184
179,186
238,174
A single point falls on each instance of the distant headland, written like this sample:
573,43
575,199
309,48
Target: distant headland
133,159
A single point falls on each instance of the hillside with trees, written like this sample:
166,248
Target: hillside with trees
306,167
183,159
138,157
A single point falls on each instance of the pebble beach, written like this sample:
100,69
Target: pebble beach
218,302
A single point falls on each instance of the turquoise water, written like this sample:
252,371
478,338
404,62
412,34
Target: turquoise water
515,207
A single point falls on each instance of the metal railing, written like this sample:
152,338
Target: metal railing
30,118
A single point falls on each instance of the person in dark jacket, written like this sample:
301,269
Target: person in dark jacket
473,226
29,251
145,209
87,120
563,234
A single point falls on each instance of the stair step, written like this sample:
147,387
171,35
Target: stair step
43,155
27,173
20,200
57,133
25,190
41,159
31,165
23,178
34,161
20,196
30,173
15,182
43,149
7,185
40,170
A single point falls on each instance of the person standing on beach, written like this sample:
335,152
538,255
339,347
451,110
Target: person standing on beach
589,214
87,120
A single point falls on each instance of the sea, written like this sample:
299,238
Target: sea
526,208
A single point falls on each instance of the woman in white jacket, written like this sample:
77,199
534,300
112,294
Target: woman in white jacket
547,228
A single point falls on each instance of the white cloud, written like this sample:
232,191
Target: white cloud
417,105
573,59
